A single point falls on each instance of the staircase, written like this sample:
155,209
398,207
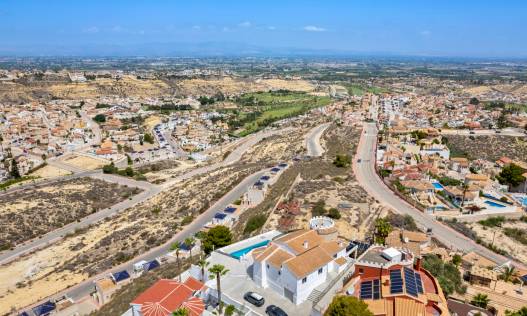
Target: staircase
315,295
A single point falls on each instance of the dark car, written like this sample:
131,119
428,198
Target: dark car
498,131
254,298
472,132
273,310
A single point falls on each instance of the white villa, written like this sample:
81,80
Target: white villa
296,263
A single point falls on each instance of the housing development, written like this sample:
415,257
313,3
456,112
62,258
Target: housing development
263,158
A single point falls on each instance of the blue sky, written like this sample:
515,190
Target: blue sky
438,28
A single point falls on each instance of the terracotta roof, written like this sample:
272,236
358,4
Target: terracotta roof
407,306
415,236
340,261
475,259
308,262
476,176
278,258
483,272
261,255
331,247
301,241
165,296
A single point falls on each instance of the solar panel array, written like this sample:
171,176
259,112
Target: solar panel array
370,290
419,283
396,282
410,284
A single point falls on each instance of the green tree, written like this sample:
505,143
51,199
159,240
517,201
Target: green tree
508,273
447,274
521,312
218,271
382,230
99,118
229,310
148,138
203,264
319,208
217,237
177,247
480,300
334,213
511,175
181,312
473,101
189,242
15,173
342,161
347,305
456,260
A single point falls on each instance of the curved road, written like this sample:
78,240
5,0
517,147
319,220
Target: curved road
149,190
314,149
370,181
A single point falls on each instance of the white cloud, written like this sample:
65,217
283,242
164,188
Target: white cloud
271,28
425,33
196,27
313,28
91,30
245,24
225,29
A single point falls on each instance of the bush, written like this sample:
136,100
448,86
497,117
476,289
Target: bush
494,221
517,234
187,220
406,222
447,274
334,213
319,208
342,161
99,118
217,237
255,222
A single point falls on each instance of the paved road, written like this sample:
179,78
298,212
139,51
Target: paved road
86,287
370,181
314,149
485,132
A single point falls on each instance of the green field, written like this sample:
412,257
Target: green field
263,108
359,90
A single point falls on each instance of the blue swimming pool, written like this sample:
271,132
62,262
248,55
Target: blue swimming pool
438,185
239,253
494,204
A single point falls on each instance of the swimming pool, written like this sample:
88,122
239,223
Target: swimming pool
240,253
494,204
438,186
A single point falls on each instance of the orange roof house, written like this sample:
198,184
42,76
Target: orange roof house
166,296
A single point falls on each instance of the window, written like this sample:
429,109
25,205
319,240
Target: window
361,271
279,272
304,280
320,270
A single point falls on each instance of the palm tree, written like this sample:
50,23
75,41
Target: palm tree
180,312
176,246
189,242
520,312
480,300
508,273
465,188
203,264
218,271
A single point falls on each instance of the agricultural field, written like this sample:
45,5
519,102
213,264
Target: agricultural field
27,214
359,90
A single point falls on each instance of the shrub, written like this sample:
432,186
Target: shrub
494,221
255,222
342,161
334,213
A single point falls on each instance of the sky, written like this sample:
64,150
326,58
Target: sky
460,28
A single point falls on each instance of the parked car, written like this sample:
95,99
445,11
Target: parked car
472,132
273,310
254,298
498,131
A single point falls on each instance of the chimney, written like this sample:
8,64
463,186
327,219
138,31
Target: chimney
417,266
306,244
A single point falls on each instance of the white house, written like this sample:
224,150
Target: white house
295,264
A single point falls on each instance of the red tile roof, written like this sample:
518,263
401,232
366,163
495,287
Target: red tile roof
166,296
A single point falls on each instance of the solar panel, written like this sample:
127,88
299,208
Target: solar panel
376,289
410,284
419,283
396,282
366,290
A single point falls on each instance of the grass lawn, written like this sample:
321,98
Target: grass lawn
359,90
8,183
269,107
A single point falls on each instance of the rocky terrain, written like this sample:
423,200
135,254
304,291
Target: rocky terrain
489,147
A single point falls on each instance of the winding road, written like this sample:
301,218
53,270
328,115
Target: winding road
314,149
364,169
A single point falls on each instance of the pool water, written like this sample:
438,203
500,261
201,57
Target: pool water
438,185
240,253
494,204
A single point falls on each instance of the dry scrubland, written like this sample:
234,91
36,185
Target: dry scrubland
114,240
513,247
319,179
486,147
26,214
27,90
238,86
514,89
